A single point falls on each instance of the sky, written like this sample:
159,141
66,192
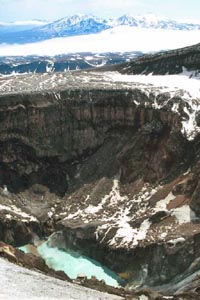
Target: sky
19,10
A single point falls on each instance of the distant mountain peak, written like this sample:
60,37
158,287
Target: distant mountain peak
82,24
126,20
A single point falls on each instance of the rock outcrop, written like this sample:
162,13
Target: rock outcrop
29,261
162,63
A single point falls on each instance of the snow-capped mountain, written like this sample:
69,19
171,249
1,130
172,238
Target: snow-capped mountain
88,24
152,21
69,26
77,24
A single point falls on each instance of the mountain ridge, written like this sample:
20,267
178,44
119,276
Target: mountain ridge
88,24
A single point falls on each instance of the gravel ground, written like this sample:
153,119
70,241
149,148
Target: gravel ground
18,283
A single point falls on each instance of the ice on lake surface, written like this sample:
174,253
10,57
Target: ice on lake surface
73,264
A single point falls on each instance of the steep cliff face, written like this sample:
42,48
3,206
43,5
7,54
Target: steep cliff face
43,135
113,165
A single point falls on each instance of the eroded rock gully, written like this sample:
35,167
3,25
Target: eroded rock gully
119,181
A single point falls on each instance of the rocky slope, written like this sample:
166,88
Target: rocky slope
61,63
110,163
162,63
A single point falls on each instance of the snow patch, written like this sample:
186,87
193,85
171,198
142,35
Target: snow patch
163,235
114,195
113,198
142,232
143,297
184,214
162,204
128,235
18,283
17,211
8,216
174,242
74,216
91,209
186,82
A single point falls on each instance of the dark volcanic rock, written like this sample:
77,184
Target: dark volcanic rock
41,136
61,63
29,261
17,232
168,62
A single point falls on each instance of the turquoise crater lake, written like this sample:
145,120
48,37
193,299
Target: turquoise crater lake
73,264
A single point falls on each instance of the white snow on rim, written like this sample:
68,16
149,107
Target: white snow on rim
185,81
181,92
119,39
185,85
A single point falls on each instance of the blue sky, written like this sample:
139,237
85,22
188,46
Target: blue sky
12,10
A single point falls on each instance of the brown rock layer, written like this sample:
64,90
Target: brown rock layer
42,135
